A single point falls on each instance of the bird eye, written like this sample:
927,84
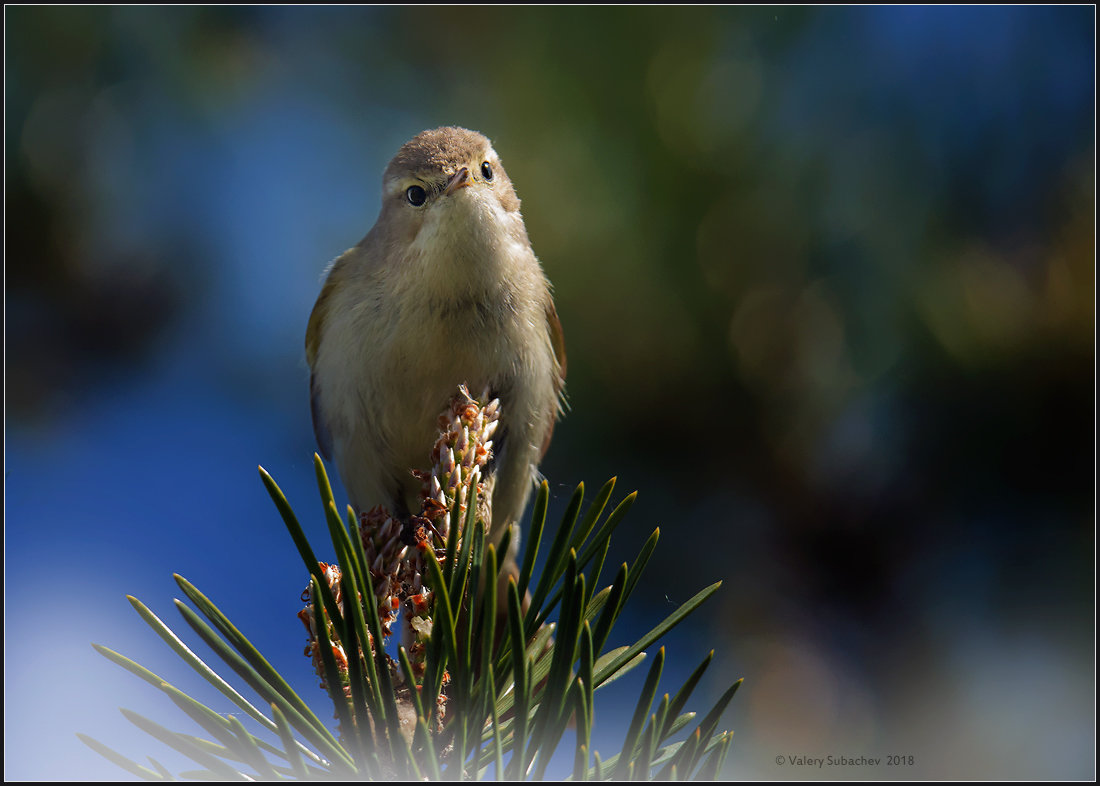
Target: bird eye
416,196
486,170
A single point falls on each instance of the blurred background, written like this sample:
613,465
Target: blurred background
827,282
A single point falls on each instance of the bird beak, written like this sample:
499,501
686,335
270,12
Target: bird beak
460,179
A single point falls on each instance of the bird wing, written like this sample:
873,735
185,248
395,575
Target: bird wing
557,342
320,429
313,347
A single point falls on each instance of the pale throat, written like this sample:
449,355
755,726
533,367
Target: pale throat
470,258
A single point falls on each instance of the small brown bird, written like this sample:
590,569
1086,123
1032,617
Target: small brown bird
444,290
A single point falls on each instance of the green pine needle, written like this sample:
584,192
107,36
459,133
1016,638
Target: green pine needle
489,692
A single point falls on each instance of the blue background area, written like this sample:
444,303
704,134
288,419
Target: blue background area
827,283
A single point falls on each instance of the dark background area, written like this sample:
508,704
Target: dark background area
827,280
